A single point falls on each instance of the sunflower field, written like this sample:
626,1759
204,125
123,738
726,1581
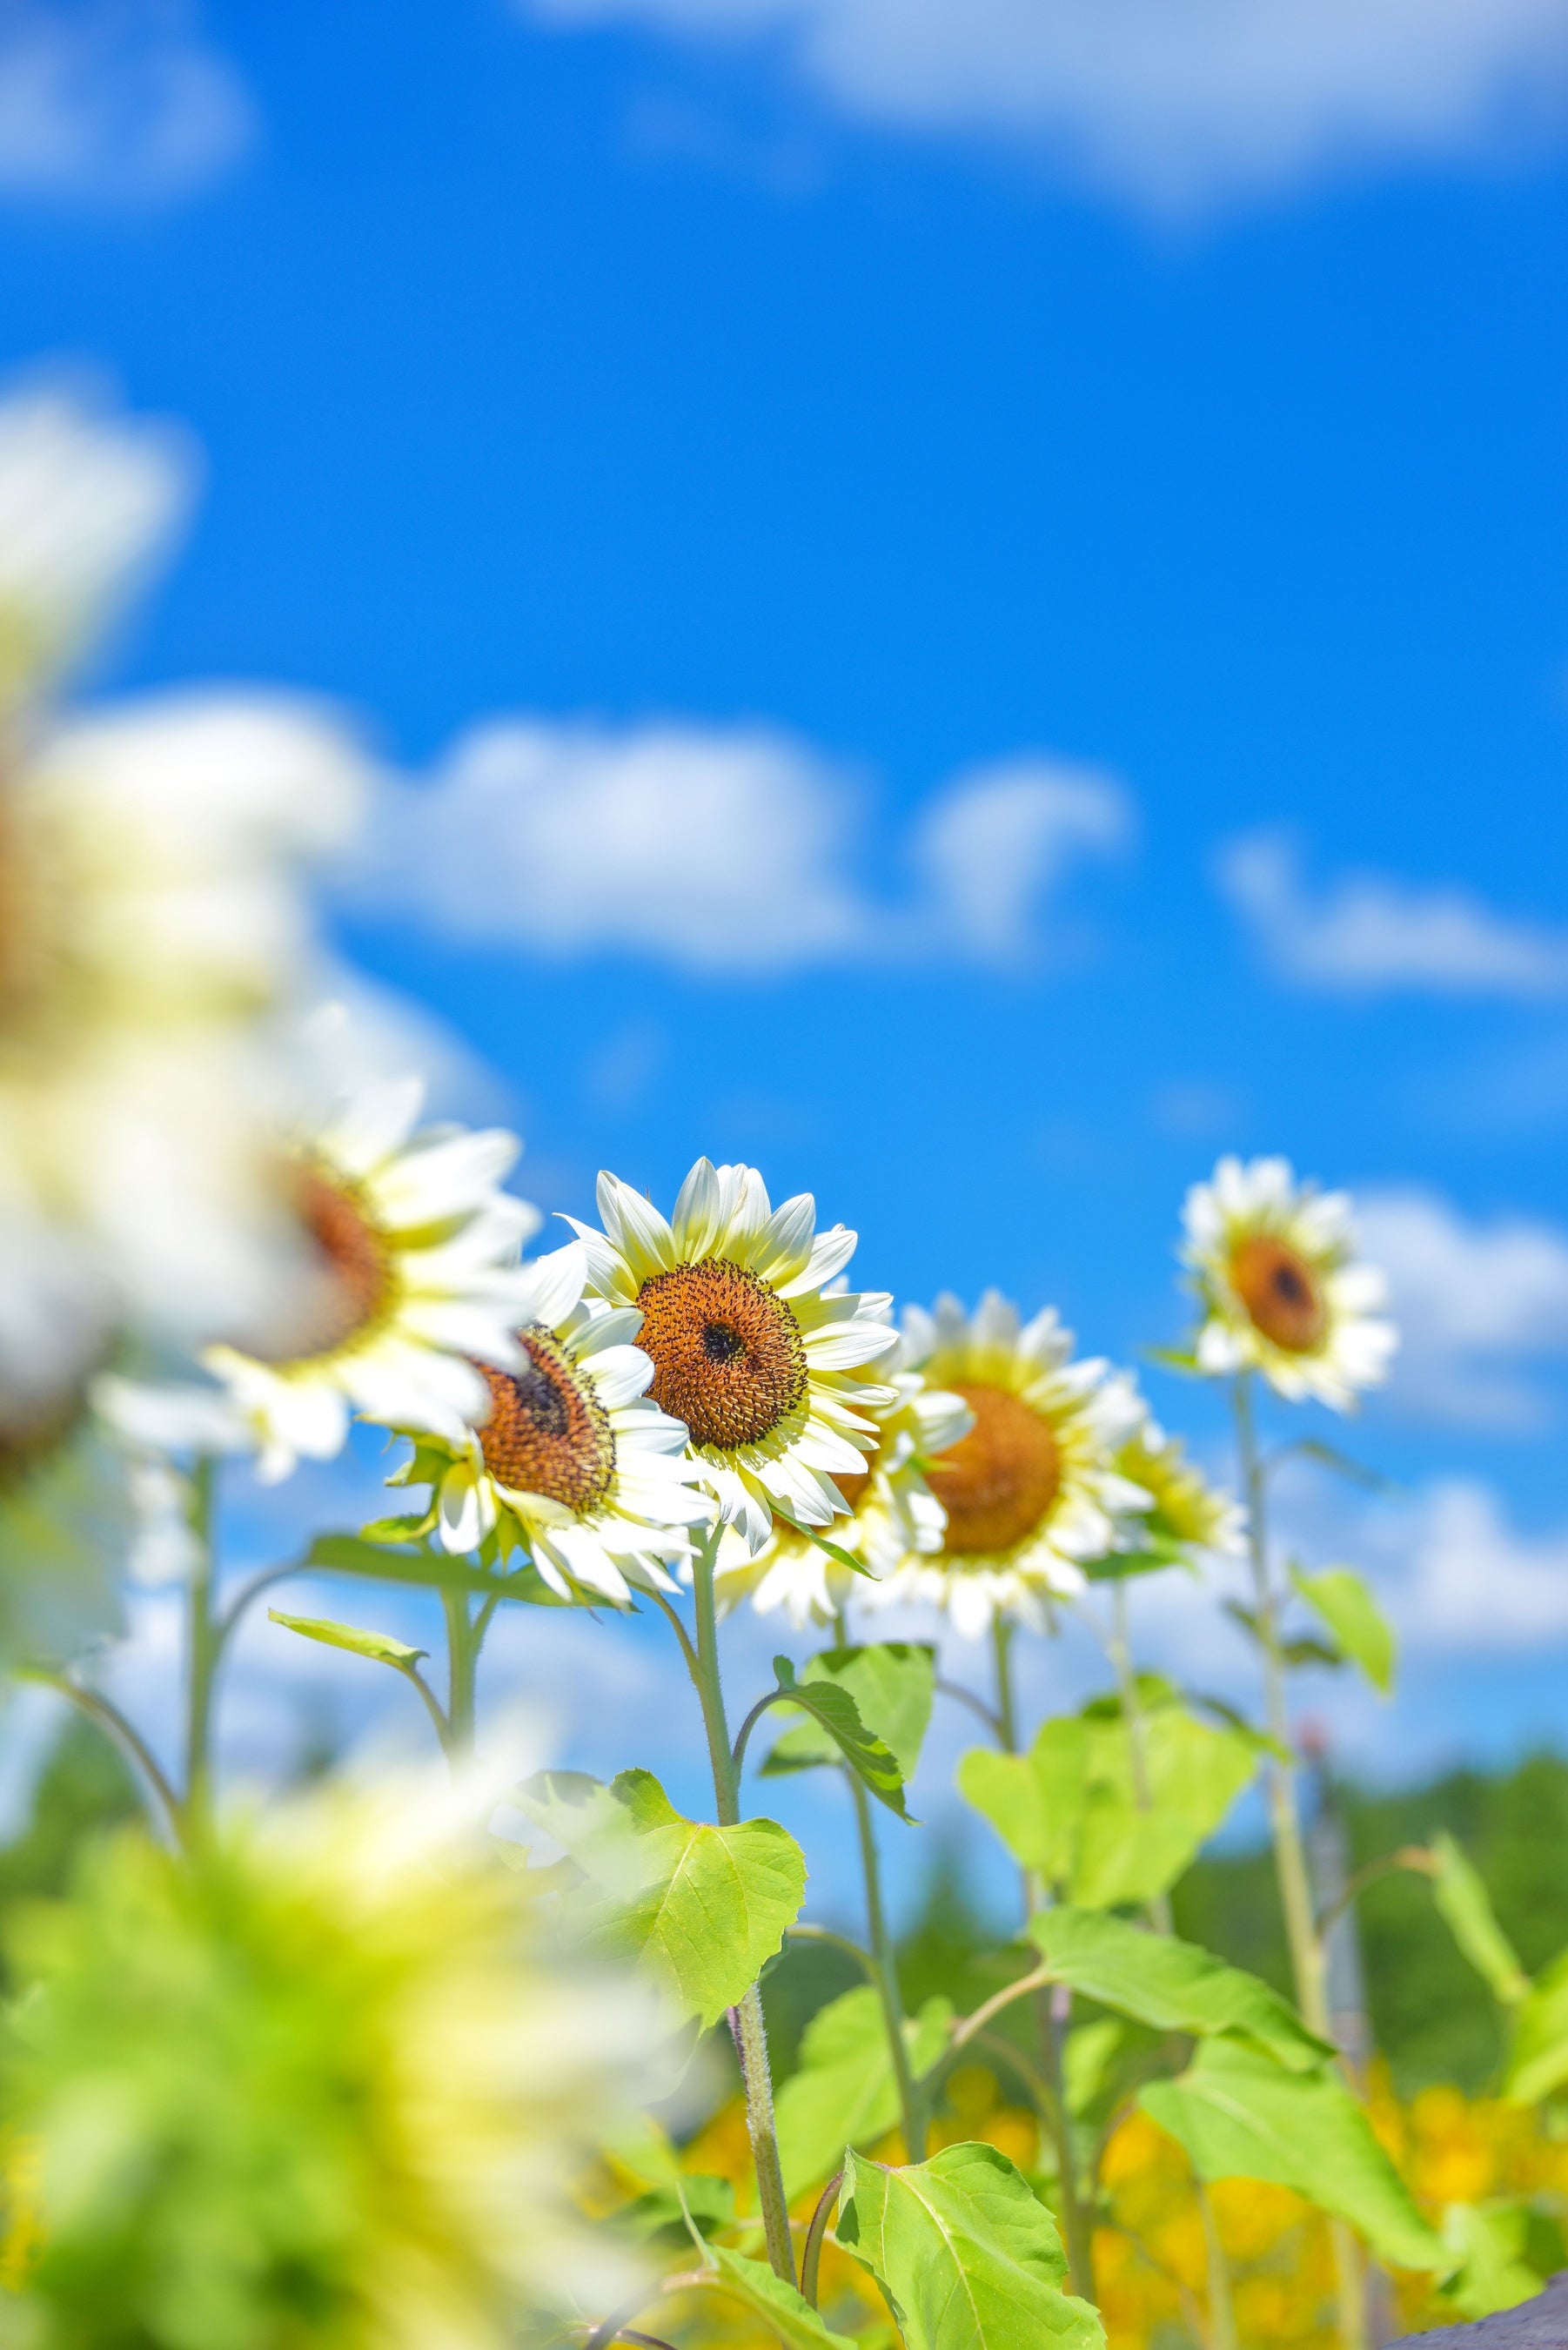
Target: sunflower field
439,2057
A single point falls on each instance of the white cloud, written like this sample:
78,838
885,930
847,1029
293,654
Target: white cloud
1172,103
114,102
722,850
1471,1583
1476,1302
1368,935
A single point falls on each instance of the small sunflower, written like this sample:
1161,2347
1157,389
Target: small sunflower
1188,1513
334,2090
1033,1488
573,1466
417,1290
1275,1267
751,1349
894,1514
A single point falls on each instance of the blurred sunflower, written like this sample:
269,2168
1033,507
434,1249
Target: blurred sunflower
751,1349
1187,1513
314,2084
418,1291
893,1512
1033,1488
1283,1293
574,1465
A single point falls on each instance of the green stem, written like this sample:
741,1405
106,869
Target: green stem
1076,2240
463,1656
203,1647
1290,1852
746,2022
910,2104
1308,1955
108,1718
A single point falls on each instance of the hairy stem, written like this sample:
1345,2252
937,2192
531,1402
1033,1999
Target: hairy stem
910,2106
1308,1955
1053,2007
746,2018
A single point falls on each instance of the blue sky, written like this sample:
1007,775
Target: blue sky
953,492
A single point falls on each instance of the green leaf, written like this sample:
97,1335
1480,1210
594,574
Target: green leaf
1118,1565
1171,1986
409,1529
711,2202
1355,1472
1175,1358
1241,2115
835,1552
1488,2247
1088,2055
699,1908
844,2092
378,1645
1069,1807
967,2255
1340,1599
891,1682
1465,1906
783,2310
1538,2059
834,1713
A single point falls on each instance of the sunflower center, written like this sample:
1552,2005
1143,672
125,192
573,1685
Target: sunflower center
348,1287
997,1482
546,1432
728,1357
1280,1291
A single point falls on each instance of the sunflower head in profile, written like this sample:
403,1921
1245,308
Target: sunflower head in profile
1033,1488
416,1294
1275,1267
894,1514
574,1466
1188,1515
751,1349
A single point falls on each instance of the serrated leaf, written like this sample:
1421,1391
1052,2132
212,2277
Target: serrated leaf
834,1713
891,1682
1341,1600
781,2309
699,1908
1241,2115
844,2092
1538,2057
380,1645
968,2257
1070,1809
1465,1906
1171,1985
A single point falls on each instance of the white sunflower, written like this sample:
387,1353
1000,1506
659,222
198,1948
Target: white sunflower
151,923
1273,1262
1187,1517
417,1290
751,1349
1032,1490
574,1466
894,1516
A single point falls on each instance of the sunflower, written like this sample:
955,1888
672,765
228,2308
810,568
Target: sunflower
1274,1268
151,923
1033,1488
1188,1514
336,2092
894,1516
417,1294
574,1466
751,1350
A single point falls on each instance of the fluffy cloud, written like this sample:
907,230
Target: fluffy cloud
718,850
113,101
1173,103
1367,935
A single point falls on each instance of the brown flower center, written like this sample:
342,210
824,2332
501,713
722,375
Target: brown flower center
997,1482
547,1434
349,1286
1280,1291
728,1357
30,1432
